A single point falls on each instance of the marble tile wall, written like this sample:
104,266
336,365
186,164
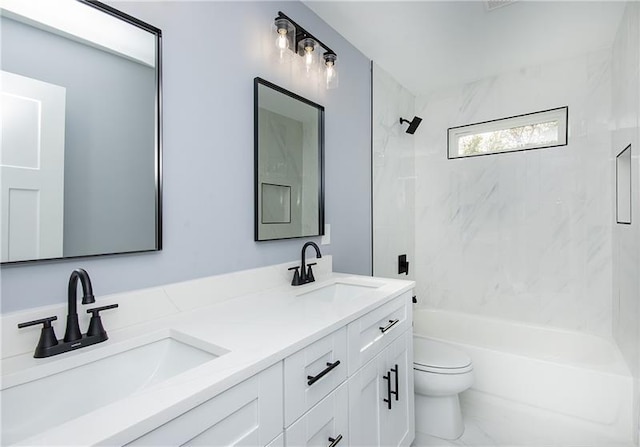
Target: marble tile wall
525,236
393,177
626,238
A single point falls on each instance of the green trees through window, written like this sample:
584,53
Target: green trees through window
530,131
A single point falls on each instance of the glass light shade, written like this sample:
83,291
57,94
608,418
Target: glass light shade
307,49
330,71
285,33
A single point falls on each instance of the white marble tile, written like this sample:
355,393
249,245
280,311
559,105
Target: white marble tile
526,235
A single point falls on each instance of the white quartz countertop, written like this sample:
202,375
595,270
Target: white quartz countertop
257,329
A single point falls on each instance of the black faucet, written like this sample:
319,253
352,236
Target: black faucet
306,274
48,344
73,329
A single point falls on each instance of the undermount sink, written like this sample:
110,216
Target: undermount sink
340,291
35,406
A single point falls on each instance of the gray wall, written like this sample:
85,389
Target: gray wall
212,51
100,215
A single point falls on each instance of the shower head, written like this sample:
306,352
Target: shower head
413,124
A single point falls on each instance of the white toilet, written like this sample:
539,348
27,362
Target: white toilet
441,372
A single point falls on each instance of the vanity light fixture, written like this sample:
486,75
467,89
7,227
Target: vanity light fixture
291,36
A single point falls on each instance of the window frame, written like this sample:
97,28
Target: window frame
561,114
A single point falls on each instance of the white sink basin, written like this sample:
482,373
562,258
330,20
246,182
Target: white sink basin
35,406
340,291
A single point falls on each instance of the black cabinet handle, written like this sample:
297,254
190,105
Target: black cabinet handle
334,441
395,371
387,377
313,379
391,324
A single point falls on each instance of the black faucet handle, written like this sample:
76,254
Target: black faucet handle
95,311
47,335
95,324
296,281
46,321
310,277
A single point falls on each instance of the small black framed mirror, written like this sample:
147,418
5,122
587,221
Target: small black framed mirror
289,164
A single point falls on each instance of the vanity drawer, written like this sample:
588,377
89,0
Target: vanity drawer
371,333
313,372
328,419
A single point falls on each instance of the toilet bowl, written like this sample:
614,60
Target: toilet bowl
441,372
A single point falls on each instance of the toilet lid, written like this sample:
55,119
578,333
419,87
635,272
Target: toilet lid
433,354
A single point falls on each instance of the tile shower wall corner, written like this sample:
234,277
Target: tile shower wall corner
525,235
393,176
626,238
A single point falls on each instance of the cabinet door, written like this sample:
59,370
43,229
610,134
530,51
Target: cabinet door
249,414
325,424
373,421
398,424
365,404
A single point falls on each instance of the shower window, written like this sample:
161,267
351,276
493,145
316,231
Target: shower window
530,131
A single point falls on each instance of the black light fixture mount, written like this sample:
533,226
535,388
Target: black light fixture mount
305,44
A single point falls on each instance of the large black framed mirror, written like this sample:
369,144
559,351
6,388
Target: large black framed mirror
289,164
81,153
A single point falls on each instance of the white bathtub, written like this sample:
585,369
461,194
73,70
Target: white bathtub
576,375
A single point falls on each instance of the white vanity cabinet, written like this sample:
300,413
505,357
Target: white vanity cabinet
249,414
375,405
353,387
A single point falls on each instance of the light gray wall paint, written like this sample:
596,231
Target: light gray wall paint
212,51
109,186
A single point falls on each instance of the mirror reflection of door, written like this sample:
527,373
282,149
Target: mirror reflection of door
32,168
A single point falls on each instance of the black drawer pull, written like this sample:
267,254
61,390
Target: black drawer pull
334,442
391,324
313,379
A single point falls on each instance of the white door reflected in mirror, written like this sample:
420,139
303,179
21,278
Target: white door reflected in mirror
32,168
106,198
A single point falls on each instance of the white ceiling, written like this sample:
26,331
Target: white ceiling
429,45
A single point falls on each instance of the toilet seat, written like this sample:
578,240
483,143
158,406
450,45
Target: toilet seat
435,370
435,357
